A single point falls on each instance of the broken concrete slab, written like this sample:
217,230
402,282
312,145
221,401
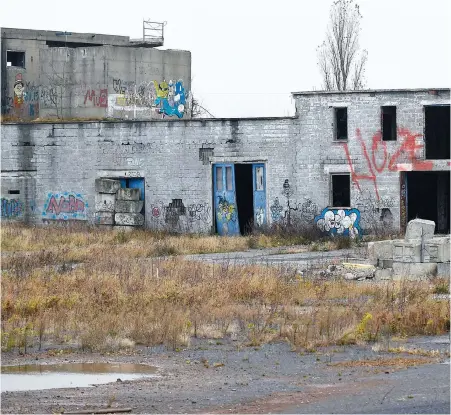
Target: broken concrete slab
414,271
104,218
407,251
105,202
130,219
129,206
418,228
128,194
107,186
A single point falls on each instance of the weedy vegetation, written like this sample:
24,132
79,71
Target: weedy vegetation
103,290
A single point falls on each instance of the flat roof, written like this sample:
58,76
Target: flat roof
366,91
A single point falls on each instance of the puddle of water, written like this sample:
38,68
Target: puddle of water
70,375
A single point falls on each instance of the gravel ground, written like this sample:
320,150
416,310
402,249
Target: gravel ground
226,377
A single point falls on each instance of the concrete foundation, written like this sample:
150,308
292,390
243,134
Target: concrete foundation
443,269
407,251
105,202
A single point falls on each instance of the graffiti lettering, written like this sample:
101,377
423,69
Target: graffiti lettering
98,101
65,206
344,222
381,159
199,212
11,208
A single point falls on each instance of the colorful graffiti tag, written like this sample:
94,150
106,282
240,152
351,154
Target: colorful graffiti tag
98,100
276,210
166,98
65,206
11,208
19,89
344,222
226,210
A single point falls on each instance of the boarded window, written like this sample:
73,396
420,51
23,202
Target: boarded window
219,178
341,190
259,178
388,115
341,123
229,182
14,58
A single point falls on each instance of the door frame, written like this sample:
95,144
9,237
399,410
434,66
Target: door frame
234,160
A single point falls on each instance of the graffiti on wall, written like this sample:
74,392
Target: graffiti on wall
405,158
65,206
97,98
173,211
226,211
165,98
11,208
19,89
344,222
303,212
199,212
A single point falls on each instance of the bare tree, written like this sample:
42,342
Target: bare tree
340,60
198,111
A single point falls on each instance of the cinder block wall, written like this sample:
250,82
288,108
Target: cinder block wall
377,164
57,162
65,159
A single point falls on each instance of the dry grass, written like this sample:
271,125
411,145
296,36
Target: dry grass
398,362
118,294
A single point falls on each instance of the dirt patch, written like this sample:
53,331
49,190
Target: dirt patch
398,362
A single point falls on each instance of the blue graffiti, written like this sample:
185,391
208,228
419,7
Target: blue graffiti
174,102
344,222
11,208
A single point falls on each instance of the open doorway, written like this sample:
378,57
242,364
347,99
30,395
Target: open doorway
428,197
244,197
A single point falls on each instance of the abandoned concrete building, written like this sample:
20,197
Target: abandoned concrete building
346,162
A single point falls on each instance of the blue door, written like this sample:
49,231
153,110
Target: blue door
225,199
259,184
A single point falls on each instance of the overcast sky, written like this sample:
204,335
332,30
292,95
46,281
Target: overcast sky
247,56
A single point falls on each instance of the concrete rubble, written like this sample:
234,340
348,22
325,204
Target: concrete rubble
420,255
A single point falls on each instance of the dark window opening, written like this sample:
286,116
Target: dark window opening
341,190
428,197
436,132
14,58
341,123
244,197
388,123
14,192
63,44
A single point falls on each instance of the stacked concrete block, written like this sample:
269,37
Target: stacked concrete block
437,250
420,229
128,208
105,199
407,251
381,253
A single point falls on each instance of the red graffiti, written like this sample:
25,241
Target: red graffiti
381,159
64,205
98,101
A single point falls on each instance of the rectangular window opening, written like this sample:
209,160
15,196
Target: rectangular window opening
229,184
341,190
388,115
14,58
14,192
437,131
341,123
219,178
